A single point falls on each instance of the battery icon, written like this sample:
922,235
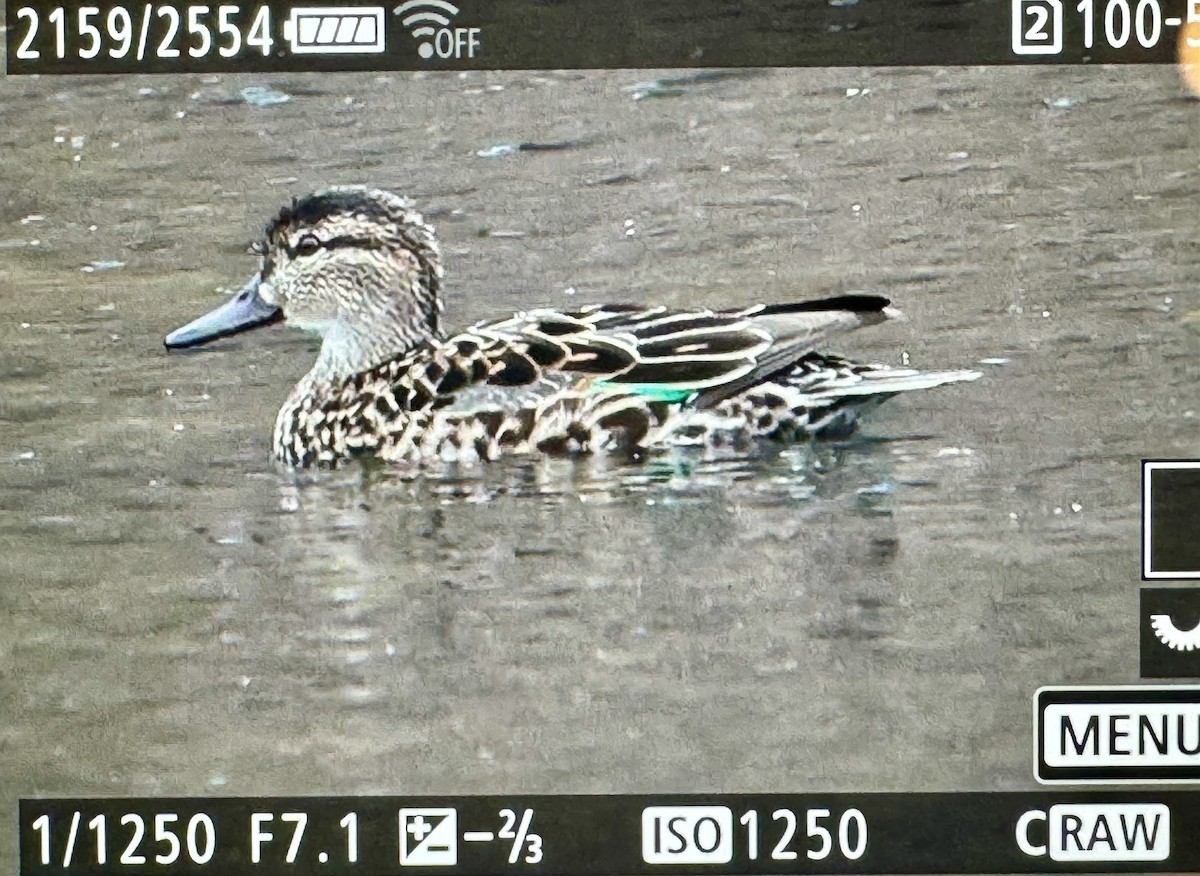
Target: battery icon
335,30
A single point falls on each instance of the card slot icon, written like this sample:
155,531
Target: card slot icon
1037,27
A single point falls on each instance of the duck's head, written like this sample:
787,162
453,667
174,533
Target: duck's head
358,266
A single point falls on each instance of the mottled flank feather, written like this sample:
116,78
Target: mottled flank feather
364,270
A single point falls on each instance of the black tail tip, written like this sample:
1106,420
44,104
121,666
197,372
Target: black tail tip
851,303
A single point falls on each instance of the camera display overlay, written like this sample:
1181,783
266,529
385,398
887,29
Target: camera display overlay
599,438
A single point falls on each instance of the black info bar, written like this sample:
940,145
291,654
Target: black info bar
977,832
171,36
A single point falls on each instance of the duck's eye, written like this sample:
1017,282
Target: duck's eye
307,245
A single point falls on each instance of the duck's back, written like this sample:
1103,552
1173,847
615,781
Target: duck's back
617,379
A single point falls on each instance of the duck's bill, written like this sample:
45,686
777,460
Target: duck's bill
244,311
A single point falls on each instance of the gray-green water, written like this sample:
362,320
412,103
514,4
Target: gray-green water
177,617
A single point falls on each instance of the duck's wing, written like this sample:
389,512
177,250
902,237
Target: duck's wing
654,351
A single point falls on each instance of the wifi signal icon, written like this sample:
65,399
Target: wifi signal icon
421,15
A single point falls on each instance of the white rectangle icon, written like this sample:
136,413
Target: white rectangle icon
1148,469
1109,832
687,835
1037,27
1121,735
335,30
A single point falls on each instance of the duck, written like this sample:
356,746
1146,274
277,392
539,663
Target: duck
362,268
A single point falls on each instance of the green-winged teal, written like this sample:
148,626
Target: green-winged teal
363,269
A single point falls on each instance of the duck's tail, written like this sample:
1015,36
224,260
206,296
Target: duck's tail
794,331
873,380
822,396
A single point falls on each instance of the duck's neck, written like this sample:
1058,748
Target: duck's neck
310,427
346,351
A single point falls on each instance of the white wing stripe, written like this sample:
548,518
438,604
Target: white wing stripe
734,356
685,316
